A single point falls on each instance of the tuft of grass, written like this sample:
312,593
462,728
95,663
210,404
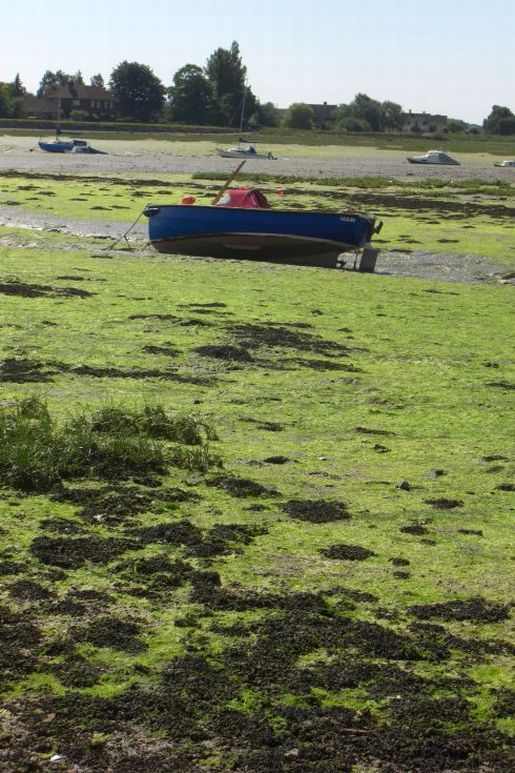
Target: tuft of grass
36,454
154,421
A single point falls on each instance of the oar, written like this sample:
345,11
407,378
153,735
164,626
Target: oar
227,183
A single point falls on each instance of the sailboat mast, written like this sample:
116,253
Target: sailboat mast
243,107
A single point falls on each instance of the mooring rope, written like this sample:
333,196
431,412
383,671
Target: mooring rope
127,232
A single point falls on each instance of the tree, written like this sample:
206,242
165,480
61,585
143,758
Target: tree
455,126
139,93
507,125
17,87
390,116
51,81
299,116
5,100
191,96
228,75
368,109
352,124
264,115
496,121
97,80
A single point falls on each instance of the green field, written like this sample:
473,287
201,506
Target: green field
255,517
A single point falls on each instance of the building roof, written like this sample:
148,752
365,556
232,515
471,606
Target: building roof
80,91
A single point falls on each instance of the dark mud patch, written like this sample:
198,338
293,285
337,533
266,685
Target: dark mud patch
74,553
137,373
223,352
168,350
168,317
369,431
278,459
157,573
11,567
214,305
267,426
29,590
110,631
321,365
505,704
476,609
117,504
380,449
347,552
20,637
282,336
417,529
219,540
82,603
262,703
241,487
316,510
444,504
61,525
223,539
398,561
174,319
501,384
505,487
78,672
26,290
22,371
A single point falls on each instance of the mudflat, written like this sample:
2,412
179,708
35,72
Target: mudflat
152,156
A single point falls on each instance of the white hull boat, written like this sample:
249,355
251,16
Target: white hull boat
434,157
248,151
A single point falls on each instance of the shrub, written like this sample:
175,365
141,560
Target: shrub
36,454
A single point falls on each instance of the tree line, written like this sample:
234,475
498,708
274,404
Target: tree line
219,95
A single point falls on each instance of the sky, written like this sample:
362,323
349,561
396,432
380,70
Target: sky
451,57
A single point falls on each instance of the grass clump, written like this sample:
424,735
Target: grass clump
154,421
36,454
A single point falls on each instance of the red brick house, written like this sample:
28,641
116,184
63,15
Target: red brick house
95,101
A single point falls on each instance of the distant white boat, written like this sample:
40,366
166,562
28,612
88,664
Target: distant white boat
434,157
504,163
244,151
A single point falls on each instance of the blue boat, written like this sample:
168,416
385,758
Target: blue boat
62,146
72,145
241,225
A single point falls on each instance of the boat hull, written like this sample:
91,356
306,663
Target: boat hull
448,161
277,236
244,154
63,146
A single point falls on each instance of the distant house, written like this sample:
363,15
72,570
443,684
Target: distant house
36,107
323,114
423,122
59,104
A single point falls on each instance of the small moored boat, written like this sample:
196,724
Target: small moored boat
434,157
62,146
247,151
242,225
72,145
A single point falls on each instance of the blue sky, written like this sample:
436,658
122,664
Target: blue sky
455,57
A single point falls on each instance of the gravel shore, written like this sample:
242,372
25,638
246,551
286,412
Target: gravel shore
159,156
